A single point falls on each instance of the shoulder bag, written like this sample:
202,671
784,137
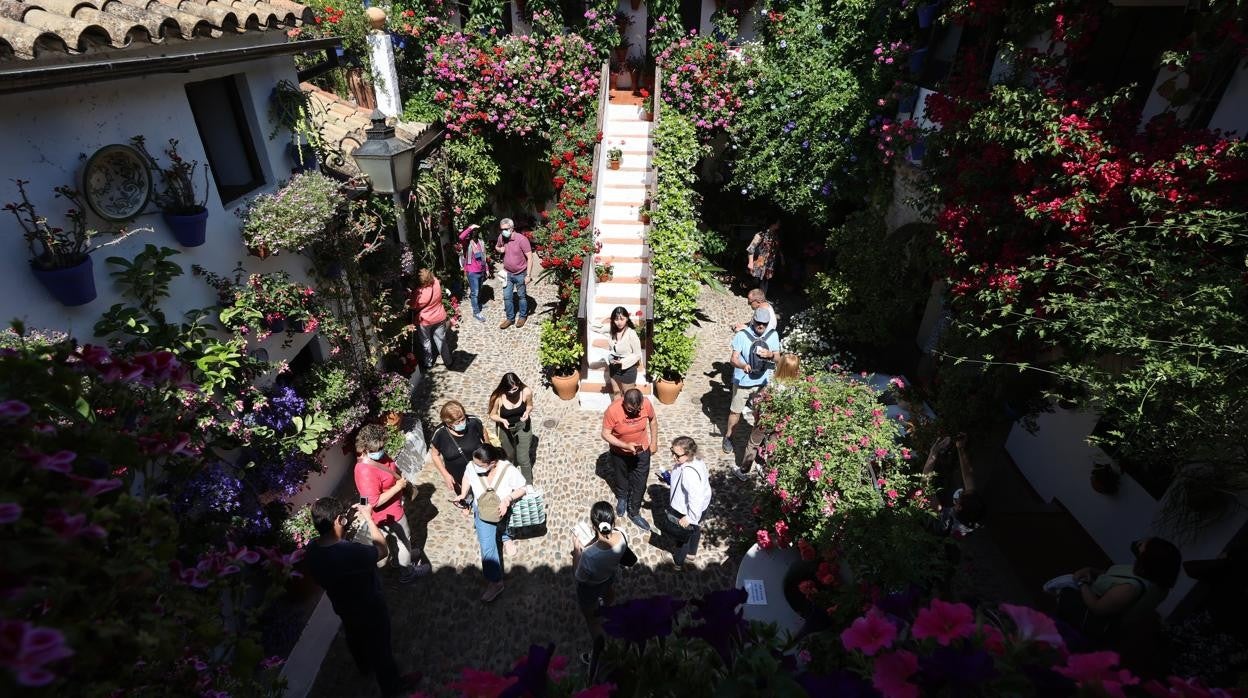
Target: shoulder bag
488,502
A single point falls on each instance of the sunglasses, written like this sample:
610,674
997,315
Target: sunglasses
677,454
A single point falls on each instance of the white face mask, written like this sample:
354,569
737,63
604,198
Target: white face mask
506,233
481,469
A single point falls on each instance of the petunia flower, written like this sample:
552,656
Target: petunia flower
1096,669
944,622
869,634
890,673
26,650
1034,626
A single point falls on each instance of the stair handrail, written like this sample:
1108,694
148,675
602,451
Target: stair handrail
656,112
587,262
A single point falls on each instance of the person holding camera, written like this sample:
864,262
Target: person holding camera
347,571
632,429
962,513
381,486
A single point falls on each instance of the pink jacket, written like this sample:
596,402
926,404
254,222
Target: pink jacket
427,301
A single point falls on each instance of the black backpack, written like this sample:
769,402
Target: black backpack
758,365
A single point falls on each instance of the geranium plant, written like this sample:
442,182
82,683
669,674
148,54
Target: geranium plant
178,196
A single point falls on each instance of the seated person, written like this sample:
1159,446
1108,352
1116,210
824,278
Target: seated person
961,513
1099,602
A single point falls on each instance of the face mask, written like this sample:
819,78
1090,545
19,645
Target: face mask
481,470
378,455
460,426
506,233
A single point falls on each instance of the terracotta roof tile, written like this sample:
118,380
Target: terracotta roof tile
343,124
39,28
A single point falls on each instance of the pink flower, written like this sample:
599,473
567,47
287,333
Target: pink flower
905,454
94,488
25,649
10,512
881,452
69,527
815,473
771,476
994,641
1034,626
1183,688
57,462
1096,669
890,674
945,622
803,546
764,539
869,634
482,684
816,405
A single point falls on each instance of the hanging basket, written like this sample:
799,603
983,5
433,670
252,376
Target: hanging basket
71,286
190,229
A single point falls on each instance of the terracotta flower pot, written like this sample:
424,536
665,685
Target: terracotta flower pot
604,278
260,252
613,164
647,115
566,386
393,418
667,391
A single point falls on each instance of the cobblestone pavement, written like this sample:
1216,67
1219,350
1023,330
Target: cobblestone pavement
439,623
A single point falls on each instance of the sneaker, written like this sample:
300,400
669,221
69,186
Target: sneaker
639,522
423,569
520,321
504,324
491,592
742,475
727,444
480,317
621,507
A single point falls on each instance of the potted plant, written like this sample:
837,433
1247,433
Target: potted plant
647,105
621,50
615,74
60,258
1105,478
559,353
669,361
614,155
293,217
185,214
643,213
636,66
290,107
604,272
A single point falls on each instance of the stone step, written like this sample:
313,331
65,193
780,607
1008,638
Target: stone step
599,386
626,270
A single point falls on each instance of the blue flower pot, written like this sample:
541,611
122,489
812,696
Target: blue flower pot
333,270
189,229
928,14
302,156
917,59
906,104
917,150
71,286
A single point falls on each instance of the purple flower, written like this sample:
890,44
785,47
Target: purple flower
723,625
13,409
641,619
25,649
10,512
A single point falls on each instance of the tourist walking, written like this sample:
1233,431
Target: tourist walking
474,261
379,483
452,443
756,299
431,320
494,484
347,571
962,512
511,406
690,494
625,356
517,263
753,359
788,370
632,430
762,254
596,565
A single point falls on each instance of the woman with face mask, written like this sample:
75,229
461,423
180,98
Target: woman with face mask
495,484
381,485
511,405
453,442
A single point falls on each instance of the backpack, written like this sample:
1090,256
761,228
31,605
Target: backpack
487,503
758,365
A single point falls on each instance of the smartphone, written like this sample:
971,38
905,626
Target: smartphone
363,501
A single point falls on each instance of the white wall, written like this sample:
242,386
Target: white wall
745,29
49,134
1232,111
1057,461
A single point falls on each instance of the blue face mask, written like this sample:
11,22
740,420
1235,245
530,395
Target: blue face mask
506,234
460,426
377,455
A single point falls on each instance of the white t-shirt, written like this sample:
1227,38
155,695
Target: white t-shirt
512,479
690,493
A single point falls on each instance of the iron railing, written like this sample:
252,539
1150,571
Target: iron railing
587,262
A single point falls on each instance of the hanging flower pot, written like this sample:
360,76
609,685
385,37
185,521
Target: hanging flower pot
72,286
302,155
260,251
1105,478
274,323
927,14
917,58
614,163
189,229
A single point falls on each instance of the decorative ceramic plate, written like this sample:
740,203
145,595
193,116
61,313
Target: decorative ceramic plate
117,183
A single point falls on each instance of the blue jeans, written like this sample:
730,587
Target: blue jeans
515,283
474,290
488,536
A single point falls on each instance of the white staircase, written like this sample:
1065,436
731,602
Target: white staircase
621,194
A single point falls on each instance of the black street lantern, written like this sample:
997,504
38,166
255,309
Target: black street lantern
384,158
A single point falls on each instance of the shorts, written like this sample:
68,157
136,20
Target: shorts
588,595
741,394
625,376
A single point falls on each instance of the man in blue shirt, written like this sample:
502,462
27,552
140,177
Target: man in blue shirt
746,379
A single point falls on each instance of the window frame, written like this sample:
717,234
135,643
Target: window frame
233,88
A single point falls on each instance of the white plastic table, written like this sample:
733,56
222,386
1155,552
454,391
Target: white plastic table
761,574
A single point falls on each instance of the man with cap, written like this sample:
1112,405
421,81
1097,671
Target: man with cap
517,261
746,379
473,260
